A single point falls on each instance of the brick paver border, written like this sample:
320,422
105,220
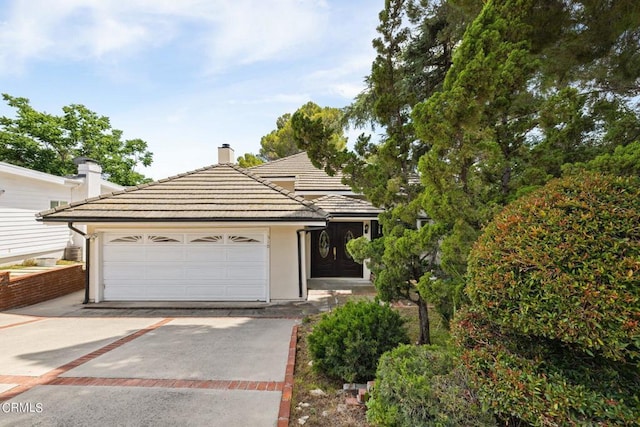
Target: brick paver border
25,383
24,322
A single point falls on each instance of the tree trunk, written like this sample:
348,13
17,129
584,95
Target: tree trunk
423,315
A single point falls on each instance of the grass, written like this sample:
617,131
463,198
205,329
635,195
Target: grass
32,263
330,410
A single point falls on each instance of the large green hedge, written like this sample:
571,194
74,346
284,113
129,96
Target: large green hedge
552,336
564,263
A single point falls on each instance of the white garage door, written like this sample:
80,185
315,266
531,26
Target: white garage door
198,266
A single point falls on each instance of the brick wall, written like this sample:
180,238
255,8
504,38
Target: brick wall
38,287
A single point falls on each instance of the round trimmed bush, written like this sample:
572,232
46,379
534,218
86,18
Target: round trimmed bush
552,336
564,263
348,342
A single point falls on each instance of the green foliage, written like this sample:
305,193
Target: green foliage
625,160
553,334
419,386
471,153
49,143
348,342
282,142
533,381
564,263
414,48
249,160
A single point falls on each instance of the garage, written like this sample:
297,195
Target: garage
161,265
218,233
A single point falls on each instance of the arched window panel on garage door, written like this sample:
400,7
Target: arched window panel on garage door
165,238
125,238
245,238
206,238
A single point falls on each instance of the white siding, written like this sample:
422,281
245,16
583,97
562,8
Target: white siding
32,194
22,235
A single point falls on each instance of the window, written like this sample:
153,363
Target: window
56,203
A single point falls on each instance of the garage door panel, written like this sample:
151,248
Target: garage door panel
252,272
122,270
205,271
246,254
166,266
163,271
124,293
205,253
244,291
169,253
206,291
122,253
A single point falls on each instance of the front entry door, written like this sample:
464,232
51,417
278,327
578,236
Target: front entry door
329,256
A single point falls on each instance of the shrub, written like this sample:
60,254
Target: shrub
552,336
419,386
564,263
347,343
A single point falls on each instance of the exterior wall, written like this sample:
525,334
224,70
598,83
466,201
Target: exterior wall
21,236
283,254
286,184
39,287
23,193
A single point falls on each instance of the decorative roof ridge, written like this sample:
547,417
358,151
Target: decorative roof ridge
271,162
123,191
281,190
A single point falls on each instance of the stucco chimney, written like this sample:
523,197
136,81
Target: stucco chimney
225,154
91,171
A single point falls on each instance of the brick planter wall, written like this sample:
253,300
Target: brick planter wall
34,288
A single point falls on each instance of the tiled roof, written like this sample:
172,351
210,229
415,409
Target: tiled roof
220,192
307,176
344,206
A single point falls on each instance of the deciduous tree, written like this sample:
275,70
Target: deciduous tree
281,141
49,143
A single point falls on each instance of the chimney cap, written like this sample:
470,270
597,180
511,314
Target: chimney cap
82,159
225,146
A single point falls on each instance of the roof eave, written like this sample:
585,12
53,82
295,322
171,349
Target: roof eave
176,220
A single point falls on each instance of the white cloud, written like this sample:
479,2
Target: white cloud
346,79
251,31
228,32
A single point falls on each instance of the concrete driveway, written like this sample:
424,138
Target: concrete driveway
143,371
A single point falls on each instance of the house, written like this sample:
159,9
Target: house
222,233
350,215
25,192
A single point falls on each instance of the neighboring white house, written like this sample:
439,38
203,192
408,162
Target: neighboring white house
25,192
222,233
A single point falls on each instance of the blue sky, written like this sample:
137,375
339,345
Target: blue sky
187,75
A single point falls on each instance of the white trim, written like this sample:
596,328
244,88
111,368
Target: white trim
40,176
335,218
126,226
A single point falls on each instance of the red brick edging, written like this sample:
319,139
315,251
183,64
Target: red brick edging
287,391
36,319
52,375
26,383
